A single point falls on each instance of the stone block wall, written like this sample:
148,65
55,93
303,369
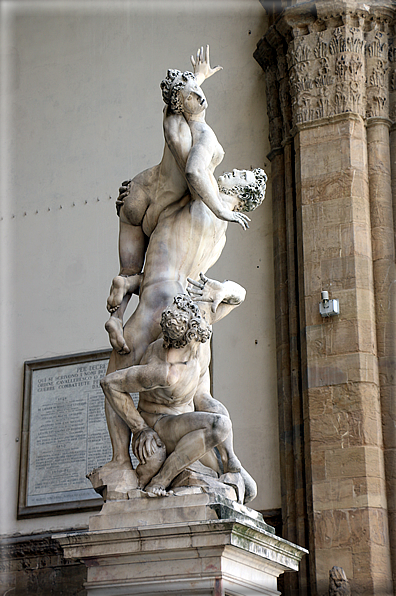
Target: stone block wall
35,566
330,71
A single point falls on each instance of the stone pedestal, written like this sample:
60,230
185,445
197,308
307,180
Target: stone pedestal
193,544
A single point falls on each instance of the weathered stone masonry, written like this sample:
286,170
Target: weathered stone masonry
331,87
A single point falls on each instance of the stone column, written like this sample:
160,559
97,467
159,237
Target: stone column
338,205
389,425
384,272
286,308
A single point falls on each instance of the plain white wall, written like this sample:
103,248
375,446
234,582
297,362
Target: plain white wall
81,111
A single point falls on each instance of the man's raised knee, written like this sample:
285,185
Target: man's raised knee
221,427
105,383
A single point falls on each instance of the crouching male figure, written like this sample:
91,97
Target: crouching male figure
170,431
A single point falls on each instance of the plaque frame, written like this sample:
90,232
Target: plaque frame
24,510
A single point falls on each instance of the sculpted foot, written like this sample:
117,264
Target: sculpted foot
116,335
250,486
117,292
157,490
232,465
230,461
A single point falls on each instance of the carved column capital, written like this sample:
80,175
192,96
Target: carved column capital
340,58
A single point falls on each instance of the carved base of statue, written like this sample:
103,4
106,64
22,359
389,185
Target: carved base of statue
186,544
114,485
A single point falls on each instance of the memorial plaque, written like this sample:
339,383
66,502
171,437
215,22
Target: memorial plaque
64,433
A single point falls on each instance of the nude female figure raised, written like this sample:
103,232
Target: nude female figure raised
191,154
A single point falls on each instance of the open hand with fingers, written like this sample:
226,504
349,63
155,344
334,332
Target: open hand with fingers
123,192
201,64
206,290
235,216
145,443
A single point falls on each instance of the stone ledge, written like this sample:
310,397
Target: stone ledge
183,558
213,534
144,510
206,539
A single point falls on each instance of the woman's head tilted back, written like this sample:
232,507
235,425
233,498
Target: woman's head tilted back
181,93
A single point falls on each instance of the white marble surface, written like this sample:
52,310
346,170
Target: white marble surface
195,505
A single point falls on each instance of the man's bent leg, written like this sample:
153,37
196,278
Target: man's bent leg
118,394
206,403
187,438
119,431
120,436
132,250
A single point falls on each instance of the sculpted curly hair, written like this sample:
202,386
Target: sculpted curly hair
171,85
182,324
250,196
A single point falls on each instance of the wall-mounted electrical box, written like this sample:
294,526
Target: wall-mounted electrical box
328,308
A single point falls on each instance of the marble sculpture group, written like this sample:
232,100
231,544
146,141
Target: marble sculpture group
173,221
